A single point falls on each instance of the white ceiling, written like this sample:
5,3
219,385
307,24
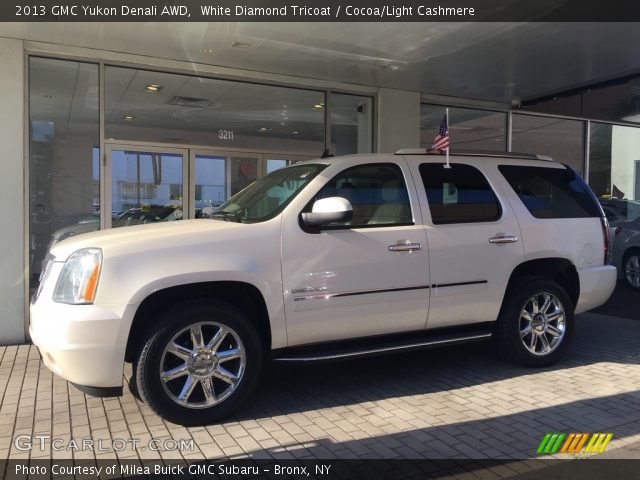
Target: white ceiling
488,61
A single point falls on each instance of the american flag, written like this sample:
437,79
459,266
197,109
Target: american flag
441,142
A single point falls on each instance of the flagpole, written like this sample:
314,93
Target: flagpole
447,152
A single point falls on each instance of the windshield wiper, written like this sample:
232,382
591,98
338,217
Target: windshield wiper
228,216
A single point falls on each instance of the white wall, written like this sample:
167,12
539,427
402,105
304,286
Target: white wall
398,120
11,192
625,151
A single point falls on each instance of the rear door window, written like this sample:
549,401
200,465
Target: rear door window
551,192
460,194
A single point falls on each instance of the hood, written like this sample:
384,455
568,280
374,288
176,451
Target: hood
181,233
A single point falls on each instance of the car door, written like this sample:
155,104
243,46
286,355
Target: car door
474,241
368,276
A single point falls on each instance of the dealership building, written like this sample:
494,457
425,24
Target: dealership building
103,119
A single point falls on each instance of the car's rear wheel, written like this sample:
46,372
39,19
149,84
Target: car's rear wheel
631,268
536,323
200,364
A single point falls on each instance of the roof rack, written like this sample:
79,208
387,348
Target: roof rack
477,153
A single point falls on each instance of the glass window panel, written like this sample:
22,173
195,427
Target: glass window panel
351,124
460,194
551,192
146,187
614,161
210,184
204,111
561,139
469,129
64,161
274,164
377,193
244,171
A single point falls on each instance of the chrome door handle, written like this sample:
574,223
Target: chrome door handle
504,239
404,246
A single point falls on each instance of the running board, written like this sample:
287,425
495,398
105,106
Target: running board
371,346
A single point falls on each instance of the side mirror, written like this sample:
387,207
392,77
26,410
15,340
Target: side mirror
327,211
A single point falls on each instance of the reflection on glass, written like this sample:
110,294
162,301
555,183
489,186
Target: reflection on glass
206,111
210,184
469,129
268,196
244,171
274,164
614,161
561,139
146,187
616,101
64,161
351,124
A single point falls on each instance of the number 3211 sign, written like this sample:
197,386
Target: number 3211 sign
225,134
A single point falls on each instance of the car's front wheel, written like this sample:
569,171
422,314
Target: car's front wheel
631,268
200,363
536,323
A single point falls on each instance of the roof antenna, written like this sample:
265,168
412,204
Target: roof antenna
326,154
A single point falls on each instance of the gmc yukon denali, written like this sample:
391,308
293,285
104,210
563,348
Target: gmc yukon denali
324,260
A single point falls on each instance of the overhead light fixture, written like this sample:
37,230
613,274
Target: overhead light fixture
242,45
153,87
263,129
295,132
208,51
318,105
129,118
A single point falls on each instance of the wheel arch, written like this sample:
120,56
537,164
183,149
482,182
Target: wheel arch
560,270
242,295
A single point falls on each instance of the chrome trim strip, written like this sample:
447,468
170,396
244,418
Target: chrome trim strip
326,296
459,284
381,350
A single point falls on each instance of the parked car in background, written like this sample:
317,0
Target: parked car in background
624,221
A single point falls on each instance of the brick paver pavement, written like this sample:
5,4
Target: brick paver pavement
457,402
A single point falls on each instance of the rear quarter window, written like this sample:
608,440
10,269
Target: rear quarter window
551,192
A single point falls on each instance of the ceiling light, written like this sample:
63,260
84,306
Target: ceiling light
318,105
128,118
153,87
295,133
391,67
208,51
263,129
242,45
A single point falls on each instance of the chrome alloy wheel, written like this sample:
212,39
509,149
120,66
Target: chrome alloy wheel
632,270
202,365
542,324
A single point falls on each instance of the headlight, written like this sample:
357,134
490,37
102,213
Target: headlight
79,277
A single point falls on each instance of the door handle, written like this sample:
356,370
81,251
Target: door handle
404,246
504,239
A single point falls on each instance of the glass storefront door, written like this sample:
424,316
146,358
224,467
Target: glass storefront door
153,183
145,185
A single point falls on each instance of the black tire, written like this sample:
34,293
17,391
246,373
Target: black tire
163,397
632,252
507,332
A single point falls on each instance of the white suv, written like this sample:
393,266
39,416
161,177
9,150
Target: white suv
327,259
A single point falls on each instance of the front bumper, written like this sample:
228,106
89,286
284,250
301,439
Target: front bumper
596,286
84,344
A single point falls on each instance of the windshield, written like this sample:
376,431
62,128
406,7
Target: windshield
268,196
